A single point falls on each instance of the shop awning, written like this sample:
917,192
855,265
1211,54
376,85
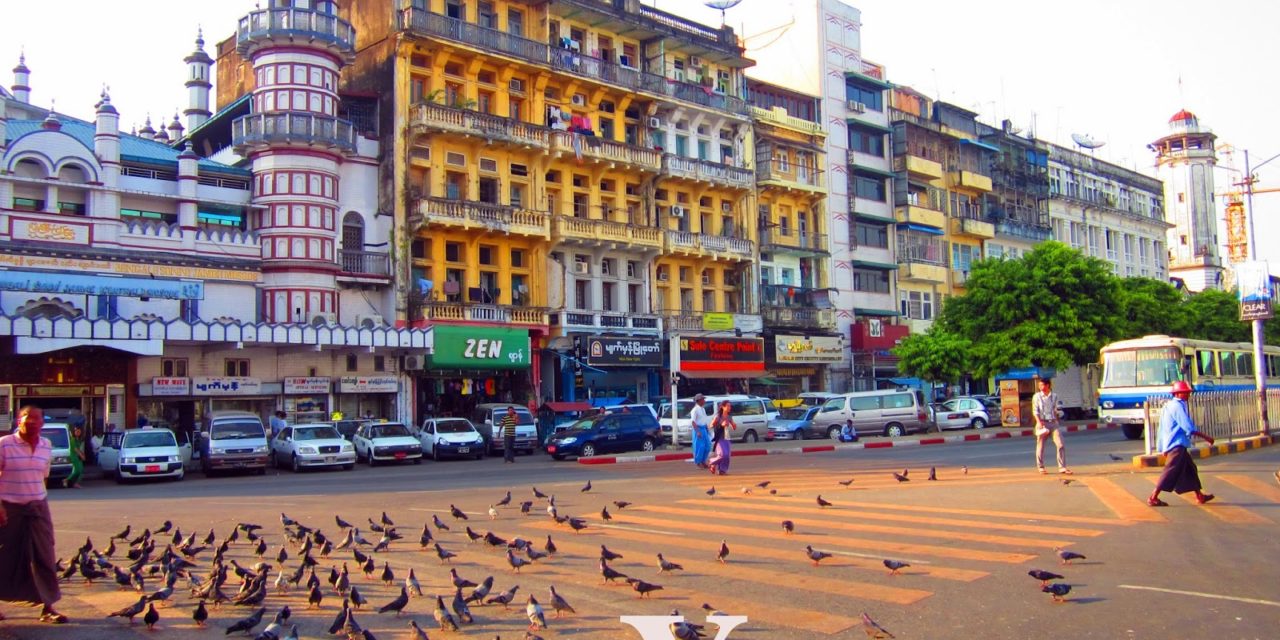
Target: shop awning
768,381
875,313
871,264
921,228
980,144
727,375
871,171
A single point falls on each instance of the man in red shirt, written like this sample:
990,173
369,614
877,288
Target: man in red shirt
28,566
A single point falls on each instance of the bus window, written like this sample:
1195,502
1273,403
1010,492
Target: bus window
1205,364
1227,362
1244,364
1142,367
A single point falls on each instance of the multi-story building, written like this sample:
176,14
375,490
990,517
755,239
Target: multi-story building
1108,212
1018,204
143,279
795,257
1185,159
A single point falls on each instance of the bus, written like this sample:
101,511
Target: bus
1133,370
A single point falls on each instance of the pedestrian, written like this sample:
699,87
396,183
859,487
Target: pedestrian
848,433
28,566
699,420
720,427
1176,430
509,435
277,423
75,447
1044,406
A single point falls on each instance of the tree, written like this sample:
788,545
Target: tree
935,356
1214,314
1145,306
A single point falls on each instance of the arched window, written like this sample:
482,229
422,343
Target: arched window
29,168
352,242
72,174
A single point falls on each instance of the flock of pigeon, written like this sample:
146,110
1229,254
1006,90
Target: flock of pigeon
221,580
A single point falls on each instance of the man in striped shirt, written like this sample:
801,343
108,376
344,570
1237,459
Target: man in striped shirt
28,566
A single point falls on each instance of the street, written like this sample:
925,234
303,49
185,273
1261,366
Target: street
970,538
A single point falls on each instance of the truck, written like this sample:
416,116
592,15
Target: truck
1077,389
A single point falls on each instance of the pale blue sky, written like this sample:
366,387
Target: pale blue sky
1106,68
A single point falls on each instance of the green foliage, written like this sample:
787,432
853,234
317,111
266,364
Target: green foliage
936,356
1215,315
1145,306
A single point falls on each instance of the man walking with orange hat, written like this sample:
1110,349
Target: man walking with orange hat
1176,431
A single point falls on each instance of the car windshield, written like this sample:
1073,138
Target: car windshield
388,431
522,416
796,413
683,408
242,430
1146,367
586,424
57,438
148,438
316,433
454,426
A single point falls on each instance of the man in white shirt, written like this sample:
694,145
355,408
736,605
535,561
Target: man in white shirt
1044,406
701,436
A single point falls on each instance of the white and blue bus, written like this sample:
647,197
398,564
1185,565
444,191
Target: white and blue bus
1133,370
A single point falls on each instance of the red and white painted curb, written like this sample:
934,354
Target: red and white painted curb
988,434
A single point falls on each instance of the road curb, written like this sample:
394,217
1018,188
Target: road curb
992,434
1236,446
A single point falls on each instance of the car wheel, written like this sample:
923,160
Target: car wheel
647,445
119,478
799,433
833,433
293,463
893,430
369,459
435,454
978,423
1132,431
750,436
588,450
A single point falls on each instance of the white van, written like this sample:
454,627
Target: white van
751,413
233,440
59,437
886,412
144,453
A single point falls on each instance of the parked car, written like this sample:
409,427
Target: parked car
962,413
147,452
887,412
233,440
386,442
318,444
347,428
632,408
59,435
488,420
450,438
607,433
799,424
751,413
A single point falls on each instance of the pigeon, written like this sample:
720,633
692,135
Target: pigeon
538,494
387,521
763,485
459,581
315,598
604,514
533,610
383,543
608,573
342,524
621,504
444,555
287,521
131,611
166,527
426,537
816,556
1043,576
551,510
506,500
443,618
439,523
293,633
493,512
282,556
873,629
1067,556
773,492
712,611
1115,458
516,562
1058,590
534,554
200,615
388,576
340,620
788,527
526,506
549,547
643,588
845,483
398,604
412,585
606,554
901,477
723,553
493,540
343,584
245,625
457,513
151,617
472,535
418,633
711,492
685,630
124,534
823,503
1067,481
933,474
894,566
504,598
664,566
576,524
559,603
482,591
368,567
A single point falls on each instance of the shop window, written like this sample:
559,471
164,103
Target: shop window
379,363
236,367
353,363
173,367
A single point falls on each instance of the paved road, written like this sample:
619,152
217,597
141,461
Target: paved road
970,538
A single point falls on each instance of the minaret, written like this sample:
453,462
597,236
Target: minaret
146,131
175,129
22,80
106,145
1185,159
295,149
198,84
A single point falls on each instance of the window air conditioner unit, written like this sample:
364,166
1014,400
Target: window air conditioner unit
414,363
695,61
857,107
324,318
706,278
516,84
726,207
579,99
677,211
370,321
662,276
582,268
655,123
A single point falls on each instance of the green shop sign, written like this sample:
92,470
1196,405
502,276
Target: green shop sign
470,348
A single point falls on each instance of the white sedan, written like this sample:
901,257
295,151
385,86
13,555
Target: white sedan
386,442
311,445
451,437
962,413
144,453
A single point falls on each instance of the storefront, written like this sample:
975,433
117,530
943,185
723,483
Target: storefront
368,397
798,363
474,365
180,403
68,383
614,369
716,365
306,399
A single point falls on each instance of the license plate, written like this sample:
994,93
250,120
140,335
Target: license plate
464,450
329,459
152,468
551,448
401,455
240,465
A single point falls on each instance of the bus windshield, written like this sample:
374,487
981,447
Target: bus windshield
1150,367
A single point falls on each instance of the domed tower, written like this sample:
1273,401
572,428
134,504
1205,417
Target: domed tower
198,84
21,80
1185,159
295,142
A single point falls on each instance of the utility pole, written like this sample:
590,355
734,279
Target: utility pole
1260,362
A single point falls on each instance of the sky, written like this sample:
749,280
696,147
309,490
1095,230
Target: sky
1112,69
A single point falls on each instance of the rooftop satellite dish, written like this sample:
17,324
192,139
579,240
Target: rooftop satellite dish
723,6
1085,141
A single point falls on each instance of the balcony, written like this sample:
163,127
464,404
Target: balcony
915,214
423,22
605,232
972,227
290,128
694,322
917,166
784,305
716,247
959,278
364,265
468,214
970,180
789,176
434,117
475,312
922,257
607,151
607,321
921,272
285,26
784,240
1024,230
704,171
778,117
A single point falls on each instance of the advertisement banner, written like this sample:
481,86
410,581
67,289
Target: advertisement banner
225,386
811,350
717,321
99,285
171,386
1253,281
603,351
474,348
368,384
306,386
728,355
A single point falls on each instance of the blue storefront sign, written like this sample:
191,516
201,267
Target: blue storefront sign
100,285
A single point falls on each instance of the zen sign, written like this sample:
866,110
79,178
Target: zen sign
478,348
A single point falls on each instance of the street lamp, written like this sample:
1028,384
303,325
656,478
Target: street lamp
1260,367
